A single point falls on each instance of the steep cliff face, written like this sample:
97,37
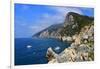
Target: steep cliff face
76,29
72,25
81,49
79,31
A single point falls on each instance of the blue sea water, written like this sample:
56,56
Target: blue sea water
33,50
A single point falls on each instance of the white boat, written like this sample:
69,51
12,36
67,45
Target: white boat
29,46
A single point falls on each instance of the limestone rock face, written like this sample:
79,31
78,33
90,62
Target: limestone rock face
72,25
68,38
81,49
46,33
53,61
76,29
50,54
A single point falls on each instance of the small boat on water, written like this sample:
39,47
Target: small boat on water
29,46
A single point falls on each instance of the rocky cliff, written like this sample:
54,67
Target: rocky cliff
72,25
81,49
51,32
76,29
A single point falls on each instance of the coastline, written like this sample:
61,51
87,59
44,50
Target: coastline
82,49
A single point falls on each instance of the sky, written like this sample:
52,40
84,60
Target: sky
30,19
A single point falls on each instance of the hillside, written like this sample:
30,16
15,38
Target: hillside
76,29
79,31
72,25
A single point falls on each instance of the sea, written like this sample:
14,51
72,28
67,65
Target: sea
30,51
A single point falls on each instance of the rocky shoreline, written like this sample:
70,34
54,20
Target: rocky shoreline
78,30
81,48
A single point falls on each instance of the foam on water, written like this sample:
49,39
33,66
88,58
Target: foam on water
57,48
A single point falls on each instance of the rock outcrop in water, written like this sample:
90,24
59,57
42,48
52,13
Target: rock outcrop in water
79,31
